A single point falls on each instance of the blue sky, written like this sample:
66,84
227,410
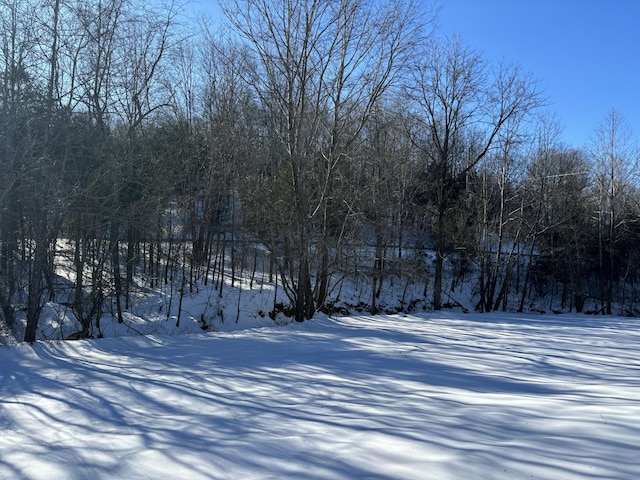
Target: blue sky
585,54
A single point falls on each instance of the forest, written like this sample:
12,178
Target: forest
317,145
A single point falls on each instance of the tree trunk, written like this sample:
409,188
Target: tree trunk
305,307
114,245
323,286
34,302
440,247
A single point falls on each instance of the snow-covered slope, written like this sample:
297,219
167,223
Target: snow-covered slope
446,396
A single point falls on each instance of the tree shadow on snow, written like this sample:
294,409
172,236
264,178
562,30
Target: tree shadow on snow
302,404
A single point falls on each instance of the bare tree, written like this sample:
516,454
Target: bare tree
463,105
28,50
615,160
500,219
319,68
17,46
554,210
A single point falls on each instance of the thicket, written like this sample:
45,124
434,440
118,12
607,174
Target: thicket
350,143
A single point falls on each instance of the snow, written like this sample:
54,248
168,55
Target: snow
443,396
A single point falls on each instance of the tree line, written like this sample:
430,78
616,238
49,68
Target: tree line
139,151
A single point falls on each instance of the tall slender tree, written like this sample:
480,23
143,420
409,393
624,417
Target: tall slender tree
464,105
319,68
615,160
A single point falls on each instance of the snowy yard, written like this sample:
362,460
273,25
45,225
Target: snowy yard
447,396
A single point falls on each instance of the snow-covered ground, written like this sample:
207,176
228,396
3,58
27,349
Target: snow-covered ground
446,396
